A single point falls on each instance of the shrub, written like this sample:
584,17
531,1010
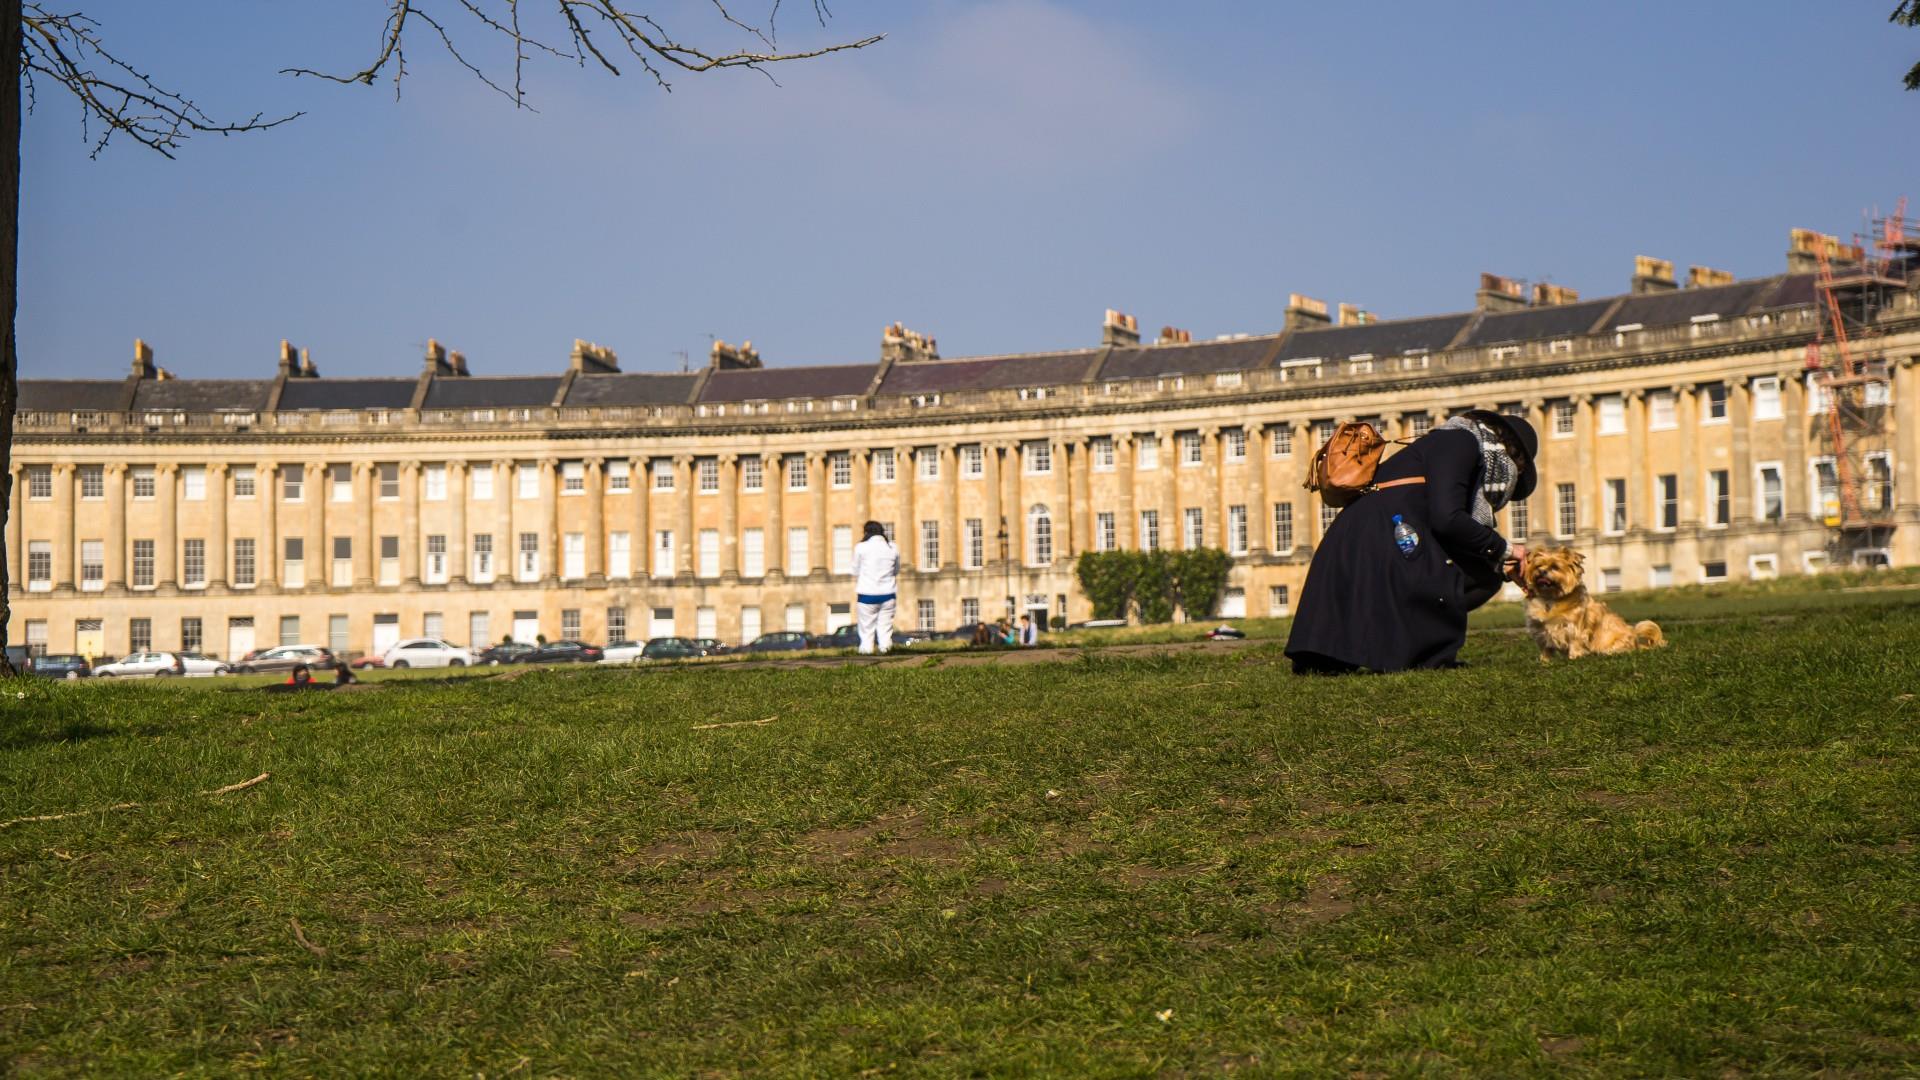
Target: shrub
1109,578
1200,576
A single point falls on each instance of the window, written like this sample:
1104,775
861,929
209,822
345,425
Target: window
708,552
480,483
883,466
1036,458
1192,450
1283,527
976,543
1613,414
1278,601
343,561
1519,521
293,562
340,483
529,556
1713,571
1716,410
753,475
973,461
389,560
1877,392
1661,414
842,549
1763,567
1237,530
193,483
1563,414
193,564
1282,436
797,561
436,561
1100,449
337,639
1766,398
1879,481
1773,502
93,482
1146,452
143,483
930,545
570,624
573,556
1322,431
1236,443
1824,496
796,466
527,477
1104,533
927,613
619,477
192,634
840,469
616,624
289,629
433,625
139,635
1419,424
142,564
40,482
1613,494
37,637
479,629
662,474
243,481
969,610
619,554
927,459
1327,514
1149,530
40,564
1719,499
1039,535
1194,523
1610,580
1566,507
1816,394
390,481
749,623
706,622
753,553
708,471
482,558
1661,576
93,565
797,618
1667,486
573,478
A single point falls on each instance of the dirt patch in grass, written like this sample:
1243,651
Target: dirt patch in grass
1559,1047
1612,800
695,844
990,886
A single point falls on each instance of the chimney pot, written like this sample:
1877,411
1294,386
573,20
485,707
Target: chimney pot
143,360
1549,295
1120,329
1305,313
1651,275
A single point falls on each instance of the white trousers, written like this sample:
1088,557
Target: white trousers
876,626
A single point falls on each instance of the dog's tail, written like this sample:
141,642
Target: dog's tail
1647,635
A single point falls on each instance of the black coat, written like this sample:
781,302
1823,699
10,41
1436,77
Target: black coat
1366,605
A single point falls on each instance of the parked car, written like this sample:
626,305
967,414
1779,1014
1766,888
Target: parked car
426,652
565,652
371,660
622,652
780,641
286,658
61,666
848,637
712,646
160,665
19,658
507,652
671,648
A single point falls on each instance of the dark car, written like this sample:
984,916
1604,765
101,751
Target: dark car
19,658
848,637
62,666
671,648
507,652
780,641
712,646
286,658
565,652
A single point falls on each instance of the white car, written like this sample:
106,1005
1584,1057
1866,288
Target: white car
426,652
622,652
160,665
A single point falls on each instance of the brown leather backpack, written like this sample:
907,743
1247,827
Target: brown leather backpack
1344,465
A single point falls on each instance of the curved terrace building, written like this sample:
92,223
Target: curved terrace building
1683,438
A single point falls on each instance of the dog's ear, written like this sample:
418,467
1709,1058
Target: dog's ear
1579,560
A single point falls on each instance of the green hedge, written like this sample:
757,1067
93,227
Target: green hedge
1153,583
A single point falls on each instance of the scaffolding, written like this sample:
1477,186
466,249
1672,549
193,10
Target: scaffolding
1848,368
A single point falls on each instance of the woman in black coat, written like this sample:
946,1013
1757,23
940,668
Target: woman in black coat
1368,605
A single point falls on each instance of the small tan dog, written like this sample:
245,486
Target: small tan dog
1564,619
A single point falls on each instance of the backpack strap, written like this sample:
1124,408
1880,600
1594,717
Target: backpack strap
1402,482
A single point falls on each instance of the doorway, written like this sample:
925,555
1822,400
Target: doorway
526,627
239,637
89,640
386,633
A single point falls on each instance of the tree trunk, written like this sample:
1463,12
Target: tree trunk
9,284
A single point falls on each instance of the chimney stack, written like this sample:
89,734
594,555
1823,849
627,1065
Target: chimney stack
307,370
1120,330
1805,246
289,360
1305,313
1173,335
457,360
1549,295
1499,294
1700,277
725,357
903,346
1651,275
1354,315
436,359
143,367
591,359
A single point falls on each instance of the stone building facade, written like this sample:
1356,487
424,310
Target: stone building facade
1682,440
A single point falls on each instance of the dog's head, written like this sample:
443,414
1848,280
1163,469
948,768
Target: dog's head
1552,573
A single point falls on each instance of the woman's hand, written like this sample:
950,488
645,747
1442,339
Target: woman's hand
1515,568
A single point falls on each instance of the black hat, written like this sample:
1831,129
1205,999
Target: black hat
1522,435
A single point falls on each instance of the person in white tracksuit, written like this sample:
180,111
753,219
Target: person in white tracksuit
876,578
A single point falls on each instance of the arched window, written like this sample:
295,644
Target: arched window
1040,536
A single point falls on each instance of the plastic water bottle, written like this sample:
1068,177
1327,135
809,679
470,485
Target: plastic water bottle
1405,538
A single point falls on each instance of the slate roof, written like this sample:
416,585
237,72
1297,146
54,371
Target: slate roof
988,373
60,395
1537,323
347,394
491,391
1198,358
638,389
1381,339
1790,290
203,395
1682,305
765,384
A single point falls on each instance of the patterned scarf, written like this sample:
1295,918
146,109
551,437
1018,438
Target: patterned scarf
1497,470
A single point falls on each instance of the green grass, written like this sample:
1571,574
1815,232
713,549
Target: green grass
1697,861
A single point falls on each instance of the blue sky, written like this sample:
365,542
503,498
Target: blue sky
996,174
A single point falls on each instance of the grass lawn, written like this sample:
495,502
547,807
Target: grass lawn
1697,861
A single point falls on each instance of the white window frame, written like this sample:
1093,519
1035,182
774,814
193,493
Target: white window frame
1704,396
1660,503
1036,457
706,561
480,483
1105,531
435,569
1101,452
1760,469
1234,444
1193,528
1866,463
434,482
526,482
885,468
573,478
973,461
753,553
620,554
1774,410
1610,414
706,472
1659,401
1237,530
1718,482
573,556
840,553
1146,452
619,477
753,474
1763,567
1613,504
1280,440
1192,449
662,470
481,563
193,483
1563,419
799,551
1149,530
840,470
795,466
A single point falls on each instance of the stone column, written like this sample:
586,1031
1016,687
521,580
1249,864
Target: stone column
596,538
1906,435
1065,528
730,517
1586,439
166,547
818,486
458,560
683,489
366,561
1259,514
1740,419
506,549
1171,526
550,518
640,543
906,529
1795,468
1638,517
1213,460
1687,418
991,470
1126,525
410,538
950,539
774,483
64,561
266,549
116,528
863,486
217,495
